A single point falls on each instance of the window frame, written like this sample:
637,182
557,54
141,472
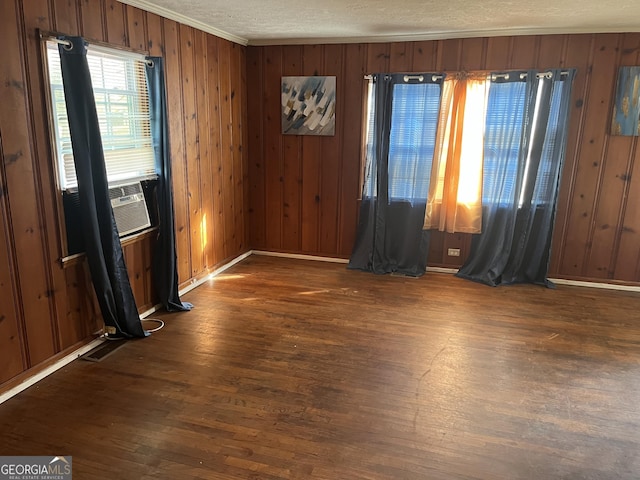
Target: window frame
517,73
368,189
67,258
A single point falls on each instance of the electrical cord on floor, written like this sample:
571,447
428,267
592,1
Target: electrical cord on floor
106,336
115,338
158,321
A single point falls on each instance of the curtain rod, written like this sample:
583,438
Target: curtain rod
135,56
523,75
411,77
494,76
66,43
95,45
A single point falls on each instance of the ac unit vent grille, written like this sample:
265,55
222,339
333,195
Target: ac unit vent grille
129,208
124,190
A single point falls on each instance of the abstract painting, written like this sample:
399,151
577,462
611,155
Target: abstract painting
309,105
626,112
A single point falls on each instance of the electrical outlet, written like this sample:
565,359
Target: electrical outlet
453,252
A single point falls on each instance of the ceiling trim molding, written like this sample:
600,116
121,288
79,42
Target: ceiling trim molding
442,35
178,17
149,6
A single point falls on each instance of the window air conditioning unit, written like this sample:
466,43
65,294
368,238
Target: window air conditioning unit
129,207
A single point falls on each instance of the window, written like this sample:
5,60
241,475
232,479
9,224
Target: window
122,104
503,126
546,180
412,136
369,189
415,119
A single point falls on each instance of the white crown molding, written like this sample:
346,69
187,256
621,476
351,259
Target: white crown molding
441,35
178,17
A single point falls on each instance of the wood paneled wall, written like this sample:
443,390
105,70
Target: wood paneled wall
45,308
304,190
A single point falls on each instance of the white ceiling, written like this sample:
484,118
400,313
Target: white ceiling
263,22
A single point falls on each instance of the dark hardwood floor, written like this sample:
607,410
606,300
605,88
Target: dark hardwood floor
291,369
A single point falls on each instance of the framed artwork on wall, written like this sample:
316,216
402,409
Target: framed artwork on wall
626,110
309,105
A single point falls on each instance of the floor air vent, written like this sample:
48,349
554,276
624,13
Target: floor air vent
129,208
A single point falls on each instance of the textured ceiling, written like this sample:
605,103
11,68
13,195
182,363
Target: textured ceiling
261,22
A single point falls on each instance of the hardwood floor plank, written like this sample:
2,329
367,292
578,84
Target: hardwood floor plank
290,369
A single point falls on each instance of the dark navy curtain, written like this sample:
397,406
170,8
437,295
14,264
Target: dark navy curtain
165,272
525,140
102,243
402,129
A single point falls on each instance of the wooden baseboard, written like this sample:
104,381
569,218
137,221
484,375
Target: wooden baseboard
576,282
300,256
592,283
206,276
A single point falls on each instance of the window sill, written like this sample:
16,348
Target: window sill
72,260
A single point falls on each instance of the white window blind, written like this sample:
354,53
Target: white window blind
122,103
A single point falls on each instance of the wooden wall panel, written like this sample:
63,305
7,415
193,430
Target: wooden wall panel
311,165
226,147
450,55
134,259
615,176
136,28
65,16
116,23
524,52
215,133
551,51
192,148
597,228
473,54
74,325
587,182
378,55
273,147
138,256
237,124
400,56
331,160
498,53
45,173
255,127
204,143
244,147
176,137
627,260
47,306
425,56
12,352
579,56
155,35
292,165
23,194
352,113
91,19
